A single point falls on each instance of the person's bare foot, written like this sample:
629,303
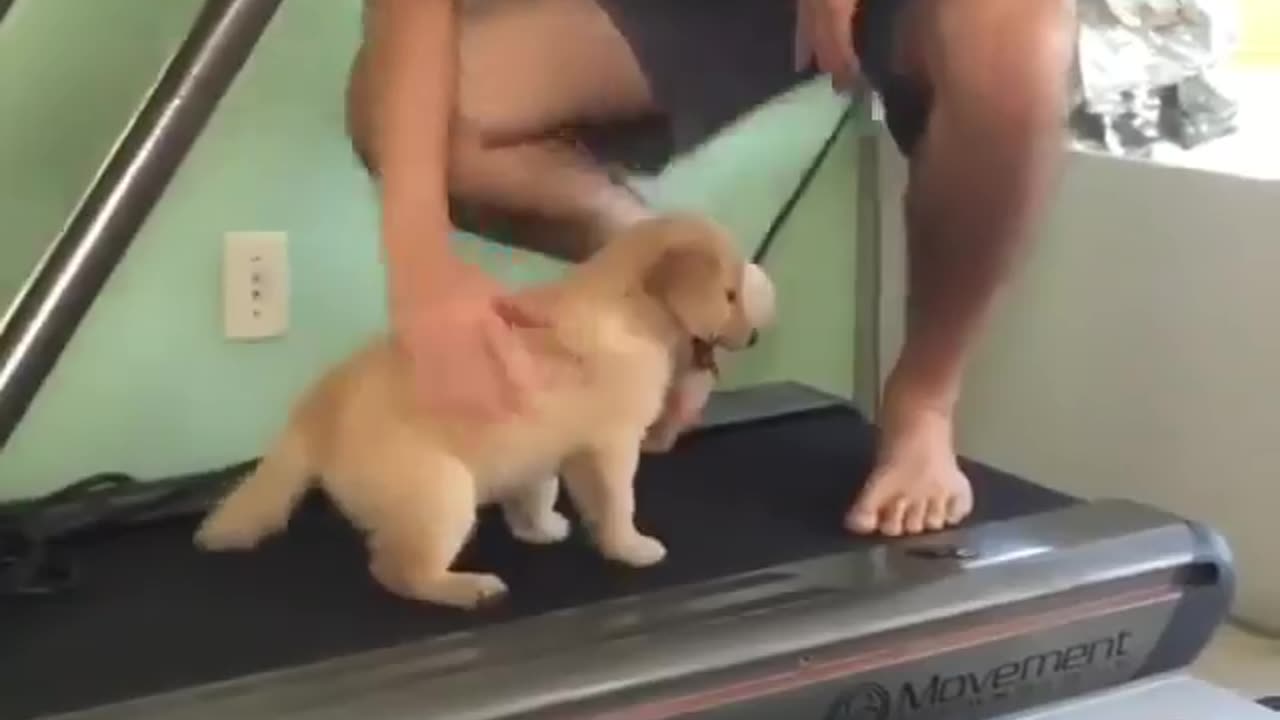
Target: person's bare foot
917,485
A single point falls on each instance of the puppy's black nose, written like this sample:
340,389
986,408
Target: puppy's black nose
753,338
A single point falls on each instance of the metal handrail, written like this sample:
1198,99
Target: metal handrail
49,308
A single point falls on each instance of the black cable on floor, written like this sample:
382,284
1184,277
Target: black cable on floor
33,565
31,561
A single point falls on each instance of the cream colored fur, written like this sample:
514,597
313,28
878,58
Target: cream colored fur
412,480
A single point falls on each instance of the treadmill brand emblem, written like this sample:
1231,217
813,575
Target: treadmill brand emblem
868,701
999,682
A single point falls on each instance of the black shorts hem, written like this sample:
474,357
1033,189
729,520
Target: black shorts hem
711,62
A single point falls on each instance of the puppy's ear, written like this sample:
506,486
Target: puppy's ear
686,279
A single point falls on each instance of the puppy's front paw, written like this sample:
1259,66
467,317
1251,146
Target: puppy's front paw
636,550
550,528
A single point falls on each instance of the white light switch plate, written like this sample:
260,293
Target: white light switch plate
255,285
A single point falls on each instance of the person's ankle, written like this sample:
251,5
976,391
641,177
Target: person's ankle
911,410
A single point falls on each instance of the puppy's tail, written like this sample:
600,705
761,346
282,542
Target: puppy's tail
261,504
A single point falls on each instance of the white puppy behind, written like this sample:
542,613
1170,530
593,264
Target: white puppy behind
624,323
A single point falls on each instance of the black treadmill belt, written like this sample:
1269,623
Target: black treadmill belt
154,615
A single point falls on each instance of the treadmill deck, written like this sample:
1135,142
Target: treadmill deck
154,615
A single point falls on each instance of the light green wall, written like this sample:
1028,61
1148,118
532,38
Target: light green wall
72,72
149,386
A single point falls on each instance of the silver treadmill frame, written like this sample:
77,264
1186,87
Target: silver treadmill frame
39,323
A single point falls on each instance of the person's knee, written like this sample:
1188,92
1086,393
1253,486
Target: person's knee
470,169
1021,81
529,68
1048,54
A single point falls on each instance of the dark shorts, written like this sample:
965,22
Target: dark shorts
710,62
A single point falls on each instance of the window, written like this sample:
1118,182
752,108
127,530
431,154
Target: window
1252,77
1260,34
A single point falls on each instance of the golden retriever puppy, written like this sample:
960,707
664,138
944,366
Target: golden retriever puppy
412,480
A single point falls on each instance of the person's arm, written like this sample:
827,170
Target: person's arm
454,323
413,65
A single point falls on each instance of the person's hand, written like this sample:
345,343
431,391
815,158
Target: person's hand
458,329
826,31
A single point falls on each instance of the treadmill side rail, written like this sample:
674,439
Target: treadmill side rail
1031,611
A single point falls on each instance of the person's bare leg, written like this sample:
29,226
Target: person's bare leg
531,69
979,183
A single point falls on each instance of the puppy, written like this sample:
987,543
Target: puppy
411,480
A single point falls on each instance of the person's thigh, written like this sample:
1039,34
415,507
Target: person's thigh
527,68
922,53
1024,76
531,67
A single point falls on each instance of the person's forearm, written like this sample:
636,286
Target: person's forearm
413,63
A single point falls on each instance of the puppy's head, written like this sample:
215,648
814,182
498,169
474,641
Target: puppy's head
699,275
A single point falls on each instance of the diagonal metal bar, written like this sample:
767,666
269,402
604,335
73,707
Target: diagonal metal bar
78,263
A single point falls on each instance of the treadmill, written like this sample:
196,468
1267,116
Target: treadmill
1040,606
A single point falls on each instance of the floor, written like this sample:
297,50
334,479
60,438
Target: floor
1238,660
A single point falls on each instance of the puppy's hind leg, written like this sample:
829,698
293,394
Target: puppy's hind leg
261,504
532,516
417,539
